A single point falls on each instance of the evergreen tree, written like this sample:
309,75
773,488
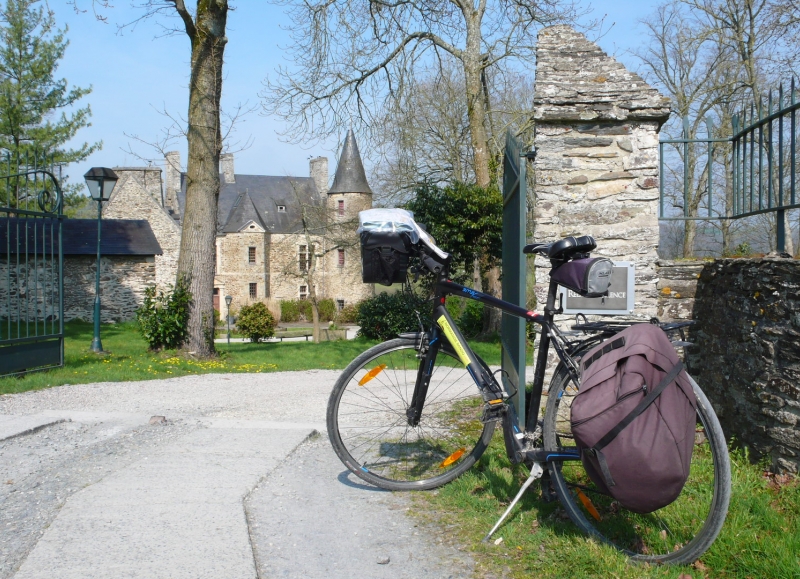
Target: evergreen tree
36,108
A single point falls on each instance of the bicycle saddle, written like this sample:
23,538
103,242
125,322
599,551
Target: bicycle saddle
563,248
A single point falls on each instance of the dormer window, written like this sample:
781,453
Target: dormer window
281,208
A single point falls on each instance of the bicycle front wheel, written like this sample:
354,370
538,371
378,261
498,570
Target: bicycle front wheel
368,426
678,533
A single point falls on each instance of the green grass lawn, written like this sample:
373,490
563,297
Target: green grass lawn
760,538
127,358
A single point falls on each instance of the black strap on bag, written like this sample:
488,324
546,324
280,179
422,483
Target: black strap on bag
641,407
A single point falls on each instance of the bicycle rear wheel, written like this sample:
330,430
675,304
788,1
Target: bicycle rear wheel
369,430
678,533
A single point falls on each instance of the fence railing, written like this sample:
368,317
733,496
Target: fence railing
761,166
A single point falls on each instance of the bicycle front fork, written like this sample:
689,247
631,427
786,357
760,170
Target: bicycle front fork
446,328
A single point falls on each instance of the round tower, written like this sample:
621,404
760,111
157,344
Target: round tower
349,194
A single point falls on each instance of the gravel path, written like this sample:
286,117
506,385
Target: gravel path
301,513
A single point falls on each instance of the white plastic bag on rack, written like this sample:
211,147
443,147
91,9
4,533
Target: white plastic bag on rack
397,220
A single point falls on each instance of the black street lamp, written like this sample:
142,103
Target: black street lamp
100,182
228,300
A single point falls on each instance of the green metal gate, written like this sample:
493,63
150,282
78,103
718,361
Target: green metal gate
512,329
31,267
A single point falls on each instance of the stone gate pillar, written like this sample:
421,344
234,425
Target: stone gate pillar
596,171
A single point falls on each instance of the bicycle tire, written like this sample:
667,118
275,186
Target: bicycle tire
368,427
678,533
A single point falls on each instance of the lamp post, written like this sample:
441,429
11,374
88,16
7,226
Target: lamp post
100,182
228,300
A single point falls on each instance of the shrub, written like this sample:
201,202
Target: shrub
304,307
256,322
454,305
348,314
470,322
327,310
386,315
289,311
163,317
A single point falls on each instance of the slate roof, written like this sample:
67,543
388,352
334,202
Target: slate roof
350,176
79,236
257,198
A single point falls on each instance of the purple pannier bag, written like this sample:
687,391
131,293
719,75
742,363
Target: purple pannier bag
634,418
589,277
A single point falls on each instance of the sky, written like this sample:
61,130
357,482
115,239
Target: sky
138,72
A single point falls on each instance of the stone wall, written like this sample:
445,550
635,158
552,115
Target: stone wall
747,353
677,284
123,280
138,196
234,272
596,170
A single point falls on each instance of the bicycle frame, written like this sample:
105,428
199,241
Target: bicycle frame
496,408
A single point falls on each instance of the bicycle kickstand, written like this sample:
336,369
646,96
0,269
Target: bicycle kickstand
536,473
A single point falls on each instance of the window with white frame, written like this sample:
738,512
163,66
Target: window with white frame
303,292
304,257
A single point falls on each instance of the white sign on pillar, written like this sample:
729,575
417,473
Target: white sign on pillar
619,301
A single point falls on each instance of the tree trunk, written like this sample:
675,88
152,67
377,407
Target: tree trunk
196,260
476,109
312,295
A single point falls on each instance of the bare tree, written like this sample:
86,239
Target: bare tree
426,139
352,58
205,26
713,57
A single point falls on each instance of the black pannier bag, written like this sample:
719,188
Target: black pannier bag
590,277
384,256
634,418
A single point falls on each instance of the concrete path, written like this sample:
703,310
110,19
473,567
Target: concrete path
235,482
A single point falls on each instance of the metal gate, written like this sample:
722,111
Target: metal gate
31,266
512,329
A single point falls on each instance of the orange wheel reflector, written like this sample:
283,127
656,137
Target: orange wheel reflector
372,373
588,504
453,457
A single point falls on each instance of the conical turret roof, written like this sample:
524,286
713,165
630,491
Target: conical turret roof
350,177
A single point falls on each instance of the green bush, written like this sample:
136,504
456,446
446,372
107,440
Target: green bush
348,314
386,315
289,311
470,322
327,310
454,305
304,307
164,316
256,322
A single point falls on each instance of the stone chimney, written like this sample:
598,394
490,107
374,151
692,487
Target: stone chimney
172,169
318,171
226,168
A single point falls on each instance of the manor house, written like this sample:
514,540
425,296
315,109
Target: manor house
275,235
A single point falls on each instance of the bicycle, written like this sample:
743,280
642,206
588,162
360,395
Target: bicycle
406,415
